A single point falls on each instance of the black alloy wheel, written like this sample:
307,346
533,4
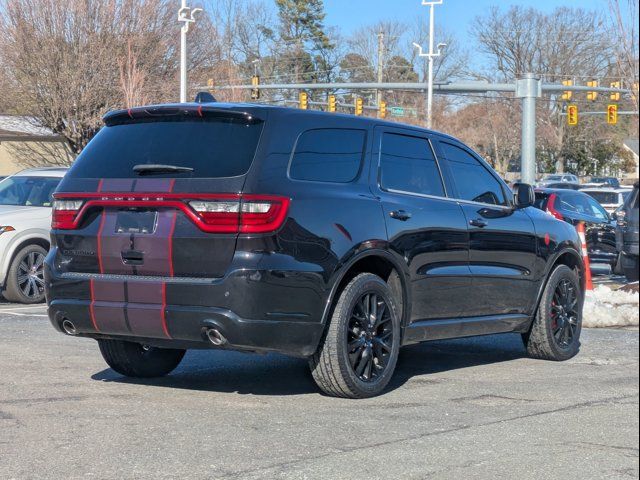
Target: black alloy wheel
369,337
564,314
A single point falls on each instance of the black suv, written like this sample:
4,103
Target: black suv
330,237
578,207
627,235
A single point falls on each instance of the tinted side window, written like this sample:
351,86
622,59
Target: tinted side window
472,179
408,165
328,155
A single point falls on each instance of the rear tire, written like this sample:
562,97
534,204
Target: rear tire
555,332
630,265
25,279
135,360
359,352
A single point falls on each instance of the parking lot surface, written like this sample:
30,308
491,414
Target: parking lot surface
471,408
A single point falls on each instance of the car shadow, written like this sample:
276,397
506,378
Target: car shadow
273,374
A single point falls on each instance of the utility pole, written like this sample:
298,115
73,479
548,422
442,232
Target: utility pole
380,66
430,56
186,15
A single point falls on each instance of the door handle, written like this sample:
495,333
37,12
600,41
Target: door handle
400,215
478,222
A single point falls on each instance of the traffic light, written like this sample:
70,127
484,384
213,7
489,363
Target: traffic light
592,95
359,105
303,100
566,95
612,114
210,83
255,92
572,114
333,104
382,109
615,96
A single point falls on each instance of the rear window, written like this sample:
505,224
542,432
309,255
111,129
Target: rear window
213,147
604,198
328,155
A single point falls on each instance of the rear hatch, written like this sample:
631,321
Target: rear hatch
158,193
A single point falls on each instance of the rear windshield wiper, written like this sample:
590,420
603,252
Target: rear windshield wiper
150,169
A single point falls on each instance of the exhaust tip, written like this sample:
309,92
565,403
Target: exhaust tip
215,337
69,327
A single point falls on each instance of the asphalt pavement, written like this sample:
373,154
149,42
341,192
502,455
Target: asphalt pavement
473,408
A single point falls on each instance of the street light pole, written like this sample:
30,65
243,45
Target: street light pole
430,56
186,15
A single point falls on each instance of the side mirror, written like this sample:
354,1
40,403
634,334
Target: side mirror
524,196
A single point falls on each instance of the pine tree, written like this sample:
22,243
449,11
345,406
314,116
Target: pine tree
302,33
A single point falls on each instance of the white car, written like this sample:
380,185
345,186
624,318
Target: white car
610,198
25,222
558,178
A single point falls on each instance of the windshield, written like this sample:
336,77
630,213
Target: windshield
28,191
554,178
202,147
604,198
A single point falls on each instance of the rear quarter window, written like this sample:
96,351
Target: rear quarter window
328,155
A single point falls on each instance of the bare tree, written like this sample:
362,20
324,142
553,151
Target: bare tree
624,34
563,43
71,62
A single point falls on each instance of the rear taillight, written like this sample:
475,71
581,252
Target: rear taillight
212,213
249,214
64,213
551,207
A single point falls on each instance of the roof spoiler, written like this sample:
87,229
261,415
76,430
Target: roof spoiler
118,117
205,97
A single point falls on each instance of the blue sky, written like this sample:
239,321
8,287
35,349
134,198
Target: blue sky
455,15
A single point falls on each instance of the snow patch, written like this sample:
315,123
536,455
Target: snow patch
604,307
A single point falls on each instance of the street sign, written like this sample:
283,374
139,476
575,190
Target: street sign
397,111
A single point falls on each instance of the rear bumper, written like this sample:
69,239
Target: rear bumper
187,329
255,310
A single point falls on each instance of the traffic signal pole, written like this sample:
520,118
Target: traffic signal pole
528,88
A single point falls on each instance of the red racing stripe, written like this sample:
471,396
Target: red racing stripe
103,216
163,311
91,305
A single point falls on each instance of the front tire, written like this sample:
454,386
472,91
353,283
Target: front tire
25,280
135,360
358,355
555,332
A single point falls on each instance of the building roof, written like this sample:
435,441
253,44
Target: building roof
18,126
632,144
